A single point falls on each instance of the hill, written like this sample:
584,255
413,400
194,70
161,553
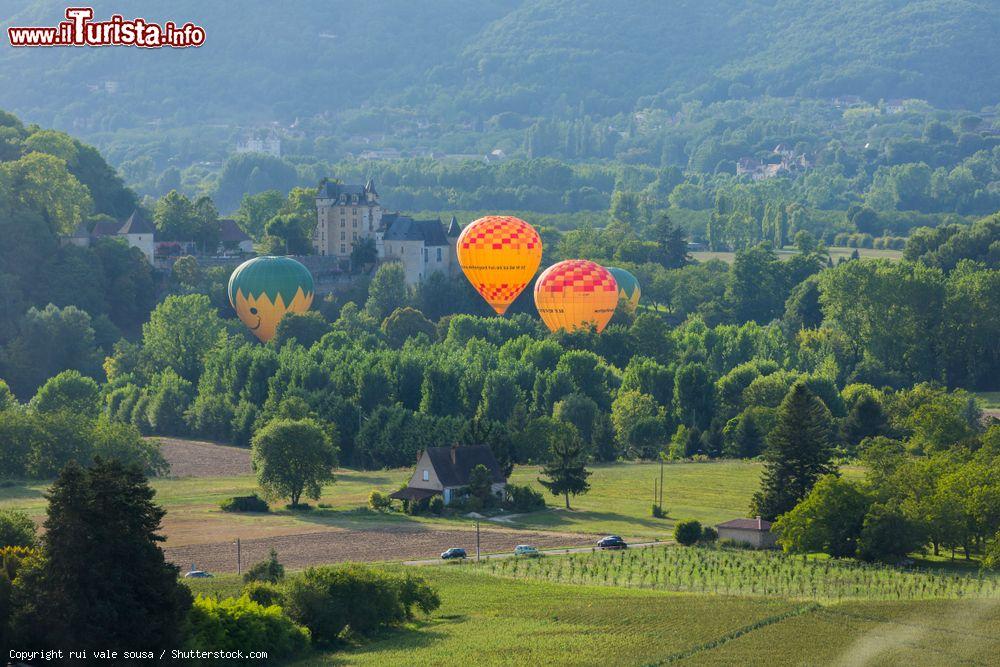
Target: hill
450,59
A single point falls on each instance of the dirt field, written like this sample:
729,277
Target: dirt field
197,458
338,545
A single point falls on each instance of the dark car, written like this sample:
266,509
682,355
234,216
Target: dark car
612,542
454,552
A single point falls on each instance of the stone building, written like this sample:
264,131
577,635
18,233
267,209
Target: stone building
348,214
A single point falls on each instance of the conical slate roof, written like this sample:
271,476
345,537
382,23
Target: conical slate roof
454,230
137,223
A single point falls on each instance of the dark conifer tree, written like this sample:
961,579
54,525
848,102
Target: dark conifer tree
865,420
565,473
798,453
104,581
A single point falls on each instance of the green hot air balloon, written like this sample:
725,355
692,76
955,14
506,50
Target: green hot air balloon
263,289
628,286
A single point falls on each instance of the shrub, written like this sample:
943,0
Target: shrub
251,503
709,535
378,501
264,593
659,512
329,599
687,532
269,570
436,505
242,624
524,499
16,529
991,560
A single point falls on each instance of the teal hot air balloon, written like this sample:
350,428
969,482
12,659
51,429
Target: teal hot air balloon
263,289
628,286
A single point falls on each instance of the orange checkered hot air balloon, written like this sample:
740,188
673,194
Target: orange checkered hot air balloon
499,255
576,294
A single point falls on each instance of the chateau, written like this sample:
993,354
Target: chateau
350,214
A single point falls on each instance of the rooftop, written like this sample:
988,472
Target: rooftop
453,464
404,228
757,524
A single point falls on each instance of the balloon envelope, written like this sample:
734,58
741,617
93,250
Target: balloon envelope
576,294
628,285
499,254
263,289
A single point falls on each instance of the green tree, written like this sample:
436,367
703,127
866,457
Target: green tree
68,391
404,323
175,218
101,519
269,570
293,457
387,291
798,453
180,332
829,519
305,328
866,419
565,474
16,530
480,483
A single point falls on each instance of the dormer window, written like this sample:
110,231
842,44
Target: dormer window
427,475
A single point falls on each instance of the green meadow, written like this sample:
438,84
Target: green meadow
486,620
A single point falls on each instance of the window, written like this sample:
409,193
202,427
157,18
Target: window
439,254
355,224
343,235
427,475
343,223
354,236
343,249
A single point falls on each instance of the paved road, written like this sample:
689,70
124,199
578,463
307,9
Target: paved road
551,552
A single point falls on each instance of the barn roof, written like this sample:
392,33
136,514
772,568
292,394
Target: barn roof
757,524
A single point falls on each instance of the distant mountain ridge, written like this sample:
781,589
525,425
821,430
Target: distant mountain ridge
452,58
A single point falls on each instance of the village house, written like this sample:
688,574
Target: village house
140,232
446,470
754,532
350,214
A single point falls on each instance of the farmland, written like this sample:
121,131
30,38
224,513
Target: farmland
835,254
341,528
750,573
486,621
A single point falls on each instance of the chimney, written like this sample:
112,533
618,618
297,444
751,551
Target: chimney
454,448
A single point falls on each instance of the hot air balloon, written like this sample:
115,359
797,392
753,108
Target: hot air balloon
499,255
263,289
576,294
628,286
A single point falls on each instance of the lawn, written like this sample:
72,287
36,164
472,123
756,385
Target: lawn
619,502
990,400
488,621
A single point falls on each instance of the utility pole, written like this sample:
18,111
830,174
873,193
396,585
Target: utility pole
661,483
477,540
239,557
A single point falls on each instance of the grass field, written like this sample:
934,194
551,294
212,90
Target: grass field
835,254
750,573
619,502
486,621
989,399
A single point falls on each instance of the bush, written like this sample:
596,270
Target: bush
709,535
16,529
991,560
436,505
251,503
269,570
659,512
329,599
242,624
687,532
378,501
524,499
264,593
